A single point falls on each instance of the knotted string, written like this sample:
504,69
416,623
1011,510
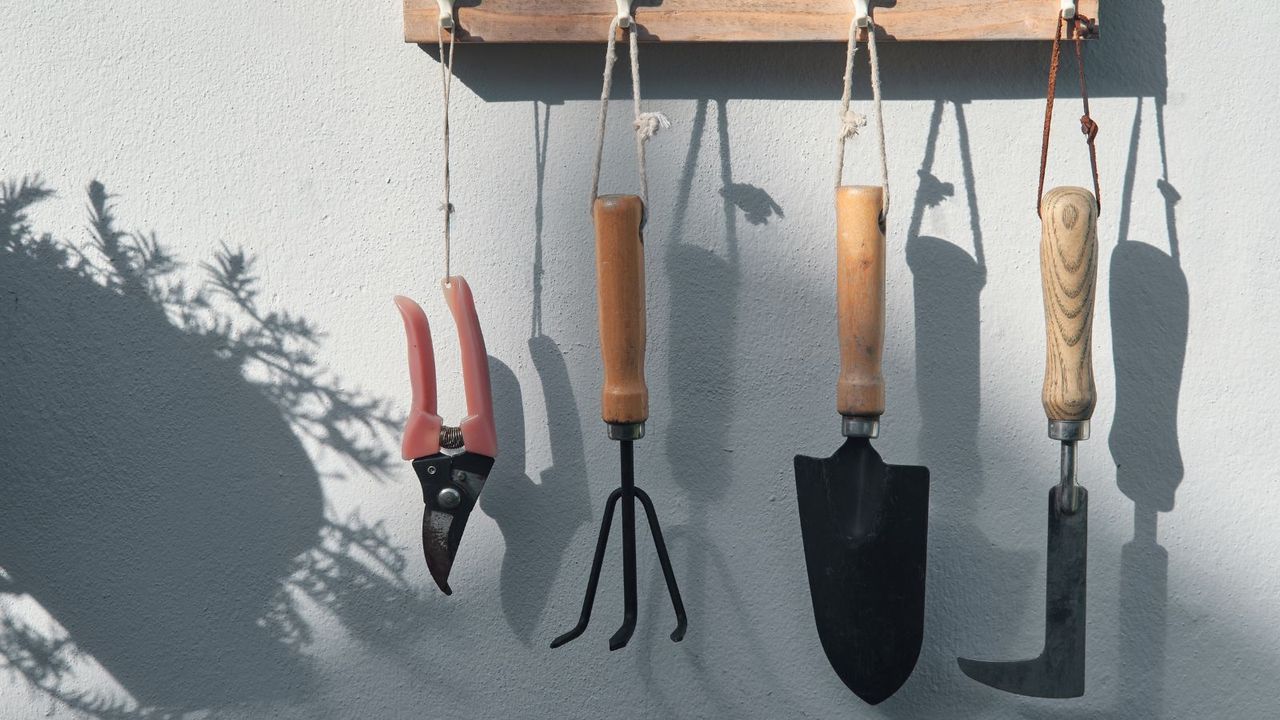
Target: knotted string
446,83
647,124
852,122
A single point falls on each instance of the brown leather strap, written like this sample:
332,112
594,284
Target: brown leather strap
1087,125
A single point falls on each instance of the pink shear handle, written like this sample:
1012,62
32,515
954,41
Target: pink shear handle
478,430
422,429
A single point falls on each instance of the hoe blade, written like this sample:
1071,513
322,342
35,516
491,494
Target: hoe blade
1059,670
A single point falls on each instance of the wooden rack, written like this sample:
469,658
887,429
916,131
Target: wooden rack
586,21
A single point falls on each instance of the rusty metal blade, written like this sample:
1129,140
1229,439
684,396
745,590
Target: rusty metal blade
865,529
440,545
451,485
1058,672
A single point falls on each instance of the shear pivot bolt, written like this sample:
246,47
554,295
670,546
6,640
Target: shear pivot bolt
449,498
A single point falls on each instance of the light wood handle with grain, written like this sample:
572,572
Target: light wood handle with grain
1068,275
620,294
860,299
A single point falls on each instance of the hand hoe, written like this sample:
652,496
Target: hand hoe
1068,268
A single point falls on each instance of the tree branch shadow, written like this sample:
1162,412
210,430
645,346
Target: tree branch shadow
164,510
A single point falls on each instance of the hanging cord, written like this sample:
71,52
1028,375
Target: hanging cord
850,121
1087,125
647,124
446,83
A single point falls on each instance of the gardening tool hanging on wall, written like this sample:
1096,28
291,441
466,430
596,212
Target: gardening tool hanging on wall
864,522
1068,267
451,482
619,222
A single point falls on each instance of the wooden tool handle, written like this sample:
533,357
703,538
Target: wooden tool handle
1068,274
860,299
620,293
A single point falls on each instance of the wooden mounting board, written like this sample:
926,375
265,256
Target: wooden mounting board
587,21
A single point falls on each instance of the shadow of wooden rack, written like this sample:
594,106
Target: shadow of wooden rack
694,21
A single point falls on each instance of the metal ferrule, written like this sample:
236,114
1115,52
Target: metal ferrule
1069,430
856,426
626,431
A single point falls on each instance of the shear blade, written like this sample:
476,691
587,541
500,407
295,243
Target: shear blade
1058,672
441,533
463,476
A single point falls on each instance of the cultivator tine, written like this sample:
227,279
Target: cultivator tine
594,581
682,620
628,494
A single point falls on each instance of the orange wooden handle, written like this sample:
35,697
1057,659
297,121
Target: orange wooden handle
620,293
1068,275
860,299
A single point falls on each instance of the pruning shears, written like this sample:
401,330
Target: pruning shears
451,481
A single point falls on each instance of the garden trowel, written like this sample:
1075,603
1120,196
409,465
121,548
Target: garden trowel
1068,272
865,523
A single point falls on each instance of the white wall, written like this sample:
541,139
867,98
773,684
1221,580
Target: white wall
204,512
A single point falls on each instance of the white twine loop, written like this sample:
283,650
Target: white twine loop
850,121
647,124
446,83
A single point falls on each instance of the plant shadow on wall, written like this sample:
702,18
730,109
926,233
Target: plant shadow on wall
160,506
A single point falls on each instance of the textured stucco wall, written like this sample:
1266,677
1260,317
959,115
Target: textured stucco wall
202,511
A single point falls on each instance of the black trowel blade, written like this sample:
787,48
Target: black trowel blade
865,527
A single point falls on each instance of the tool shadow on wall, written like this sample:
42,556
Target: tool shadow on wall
1150,314
947,285
164,523
704,272
539,520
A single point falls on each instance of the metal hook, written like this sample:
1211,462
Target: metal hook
624,13
1068,9
446,13
862,13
